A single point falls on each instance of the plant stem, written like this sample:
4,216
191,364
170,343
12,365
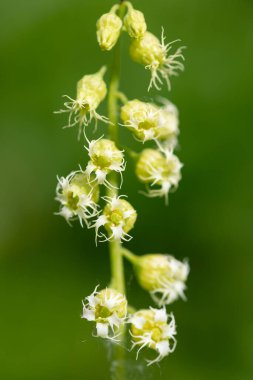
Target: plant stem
116,257
122,97
129,255
117,269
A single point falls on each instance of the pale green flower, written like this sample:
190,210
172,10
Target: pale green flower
154,329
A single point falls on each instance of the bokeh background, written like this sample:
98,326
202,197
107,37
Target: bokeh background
47,267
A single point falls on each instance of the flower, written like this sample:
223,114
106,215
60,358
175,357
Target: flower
163,276
141,118
151,328
105,158
91,91
154,55
147,121
118,218
134,22
108,308
108,30
77,197
159,169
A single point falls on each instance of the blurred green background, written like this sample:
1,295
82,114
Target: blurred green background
47,267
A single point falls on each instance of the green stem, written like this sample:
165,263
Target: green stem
132,154
116,257
117,269
129,255
122,97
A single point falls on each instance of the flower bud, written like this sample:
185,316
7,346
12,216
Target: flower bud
105,157
135,24
108,308
163,276
91,91
160,172
108,30
118,218
77,197
150,328
153,54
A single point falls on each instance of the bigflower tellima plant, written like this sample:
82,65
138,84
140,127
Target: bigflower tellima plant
91,194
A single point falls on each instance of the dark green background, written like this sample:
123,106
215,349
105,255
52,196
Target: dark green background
47,267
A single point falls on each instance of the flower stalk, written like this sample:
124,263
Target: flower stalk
92,195
117,269
116,257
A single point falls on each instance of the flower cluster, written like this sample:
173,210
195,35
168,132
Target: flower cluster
164,277
78,193
91,194
145,48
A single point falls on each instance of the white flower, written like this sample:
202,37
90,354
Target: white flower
155,329
118,218
156,57
108,308
77,198
105,158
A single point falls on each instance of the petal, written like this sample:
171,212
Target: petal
88,314
102,330
160,315
100,176
163,348
138,322
114,320
117,232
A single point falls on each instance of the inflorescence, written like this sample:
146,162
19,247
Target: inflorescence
157,167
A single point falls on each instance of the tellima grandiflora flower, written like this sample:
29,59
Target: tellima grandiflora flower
91,91
163,276
108,309
160,171
155,329
147,121
78,199
156,56
105,158
118,218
